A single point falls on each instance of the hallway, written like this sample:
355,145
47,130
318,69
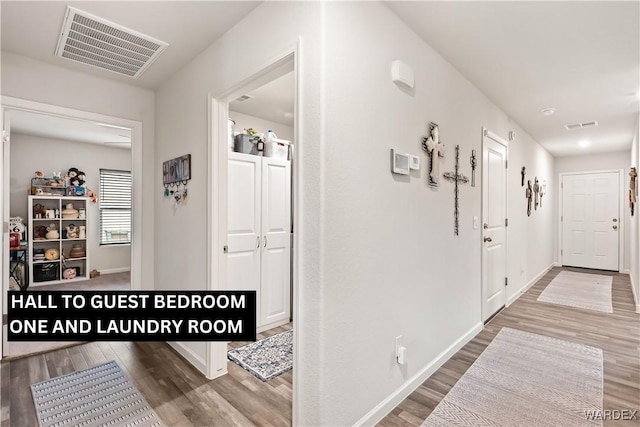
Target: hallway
617,334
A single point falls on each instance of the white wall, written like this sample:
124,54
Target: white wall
598,162
634,229
391,263
378,255
182,127
31,153
245,121
38,81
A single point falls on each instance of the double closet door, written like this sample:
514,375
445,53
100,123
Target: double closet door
259,234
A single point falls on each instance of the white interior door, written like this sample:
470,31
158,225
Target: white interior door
494,214
276,233
590,220
243,224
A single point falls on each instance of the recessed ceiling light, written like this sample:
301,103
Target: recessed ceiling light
584,143
548,111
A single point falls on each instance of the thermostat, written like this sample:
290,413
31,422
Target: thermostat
415,162
400,162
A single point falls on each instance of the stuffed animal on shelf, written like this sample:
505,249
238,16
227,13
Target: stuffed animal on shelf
39,232
72,231
76,177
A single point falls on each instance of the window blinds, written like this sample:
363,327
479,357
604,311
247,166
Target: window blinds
115,207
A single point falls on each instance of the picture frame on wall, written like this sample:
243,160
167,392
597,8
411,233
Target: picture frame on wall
176,170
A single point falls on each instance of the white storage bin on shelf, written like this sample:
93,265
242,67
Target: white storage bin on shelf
277,148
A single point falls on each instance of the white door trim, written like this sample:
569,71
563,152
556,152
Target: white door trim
623,199
488,134
218,101
11,103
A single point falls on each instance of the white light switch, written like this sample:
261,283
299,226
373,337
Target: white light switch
476,223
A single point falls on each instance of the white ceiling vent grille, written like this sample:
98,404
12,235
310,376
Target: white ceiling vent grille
244,98
582,125
102,44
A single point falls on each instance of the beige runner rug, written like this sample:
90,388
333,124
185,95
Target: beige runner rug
525,379
581,290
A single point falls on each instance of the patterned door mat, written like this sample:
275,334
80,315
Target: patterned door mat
525,379
266,358
580,290
99,396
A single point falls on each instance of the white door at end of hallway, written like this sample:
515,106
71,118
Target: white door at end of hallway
494,214
590,220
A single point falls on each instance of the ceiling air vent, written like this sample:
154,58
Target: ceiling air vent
582,125
102,44
244,98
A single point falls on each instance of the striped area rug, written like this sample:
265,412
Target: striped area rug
99,396
525,379
580,290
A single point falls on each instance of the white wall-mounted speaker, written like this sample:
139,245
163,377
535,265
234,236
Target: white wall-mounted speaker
402,74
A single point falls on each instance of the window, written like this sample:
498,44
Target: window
115,207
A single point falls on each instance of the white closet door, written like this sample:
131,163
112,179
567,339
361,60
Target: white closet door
276,244
244,239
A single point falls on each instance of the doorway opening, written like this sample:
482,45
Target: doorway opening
69,183
254,211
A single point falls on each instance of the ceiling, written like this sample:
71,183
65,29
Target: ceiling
31,28
581,58
274,101
42,125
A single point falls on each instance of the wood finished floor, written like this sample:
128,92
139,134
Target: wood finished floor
617,334
179,393
104,282
183,397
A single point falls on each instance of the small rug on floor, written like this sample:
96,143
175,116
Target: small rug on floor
99,396
266,358
581,290
525,379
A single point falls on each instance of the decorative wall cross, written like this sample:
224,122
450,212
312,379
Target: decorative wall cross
474,163
529,195
435,149
456,178
536,191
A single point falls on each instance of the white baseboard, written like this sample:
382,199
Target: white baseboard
635,295
531,282
115,270
557,264
383,408
197,361
626,271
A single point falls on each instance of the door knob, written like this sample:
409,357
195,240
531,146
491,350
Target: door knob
487,239
257,242
615,227
265,242
615,219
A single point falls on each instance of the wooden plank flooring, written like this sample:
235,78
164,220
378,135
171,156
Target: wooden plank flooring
182,396
179,393
617,334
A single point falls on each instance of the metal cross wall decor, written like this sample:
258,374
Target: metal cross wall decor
456,178
474,163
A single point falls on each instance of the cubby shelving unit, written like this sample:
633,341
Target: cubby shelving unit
47,272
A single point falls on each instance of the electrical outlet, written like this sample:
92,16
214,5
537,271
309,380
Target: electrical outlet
398,345
476,222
